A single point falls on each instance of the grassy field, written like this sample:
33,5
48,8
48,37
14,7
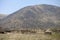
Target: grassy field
27,36
19,36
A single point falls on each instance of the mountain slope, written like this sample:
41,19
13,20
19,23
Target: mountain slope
2,16
37,16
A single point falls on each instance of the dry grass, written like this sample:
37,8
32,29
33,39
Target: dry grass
19,36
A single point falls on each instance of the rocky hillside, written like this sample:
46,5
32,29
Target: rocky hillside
37,16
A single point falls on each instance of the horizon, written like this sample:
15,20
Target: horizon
10,6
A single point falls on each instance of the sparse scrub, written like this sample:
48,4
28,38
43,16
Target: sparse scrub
30,35
56,36
18,36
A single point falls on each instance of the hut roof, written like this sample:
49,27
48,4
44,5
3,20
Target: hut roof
48,30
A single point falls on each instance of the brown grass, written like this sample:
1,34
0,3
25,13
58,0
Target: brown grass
19,36
28,36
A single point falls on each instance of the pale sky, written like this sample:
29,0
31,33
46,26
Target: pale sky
10,6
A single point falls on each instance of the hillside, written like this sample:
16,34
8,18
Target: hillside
33,17
2,16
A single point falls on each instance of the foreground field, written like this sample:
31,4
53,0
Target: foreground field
19,36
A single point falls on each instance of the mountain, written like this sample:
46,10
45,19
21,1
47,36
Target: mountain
33,17
2,16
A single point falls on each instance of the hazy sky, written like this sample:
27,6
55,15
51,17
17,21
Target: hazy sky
10,6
